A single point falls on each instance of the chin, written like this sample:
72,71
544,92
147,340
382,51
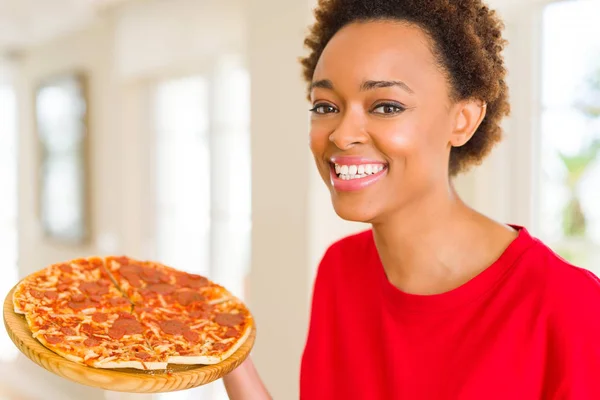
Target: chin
353,210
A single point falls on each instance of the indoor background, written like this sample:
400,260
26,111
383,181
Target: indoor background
176,130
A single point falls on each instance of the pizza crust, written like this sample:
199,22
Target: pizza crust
214,359
18,292
59,351
114,364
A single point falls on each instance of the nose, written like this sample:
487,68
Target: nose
349,132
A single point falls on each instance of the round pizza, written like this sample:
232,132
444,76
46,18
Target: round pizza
116,312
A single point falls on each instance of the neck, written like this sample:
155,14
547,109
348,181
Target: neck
437,243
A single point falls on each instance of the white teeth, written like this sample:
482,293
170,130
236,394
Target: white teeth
347,172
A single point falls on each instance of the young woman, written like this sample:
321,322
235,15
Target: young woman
436,301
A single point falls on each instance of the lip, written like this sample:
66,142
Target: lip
354,160
354,185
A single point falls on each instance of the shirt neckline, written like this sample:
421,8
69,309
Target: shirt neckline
469,291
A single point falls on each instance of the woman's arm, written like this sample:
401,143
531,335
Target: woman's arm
243,383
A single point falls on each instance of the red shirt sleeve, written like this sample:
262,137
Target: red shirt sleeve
574,359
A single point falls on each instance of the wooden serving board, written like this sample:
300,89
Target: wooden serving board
176,377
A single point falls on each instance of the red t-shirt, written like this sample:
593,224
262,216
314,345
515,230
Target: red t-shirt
528,327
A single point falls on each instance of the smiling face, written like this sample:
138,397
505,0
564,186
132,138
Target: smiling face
383,121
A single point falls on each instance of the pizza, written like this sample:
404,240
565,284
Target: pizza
117,312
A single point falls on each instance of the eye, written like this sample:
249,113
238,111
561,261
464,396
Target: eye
323,109
388,109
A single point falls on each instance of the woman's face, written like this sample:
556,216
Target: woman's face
382,121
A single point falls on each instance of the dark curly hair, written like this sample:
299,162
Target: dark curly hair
467,42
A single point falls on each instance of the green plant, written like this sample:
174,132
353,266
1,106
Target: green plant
576,165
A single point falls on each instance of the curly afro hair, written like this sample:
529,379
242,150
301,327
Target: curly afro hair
467,42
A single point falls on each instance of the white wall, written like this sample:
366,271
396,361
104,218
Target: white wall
157,37
88,51
504,187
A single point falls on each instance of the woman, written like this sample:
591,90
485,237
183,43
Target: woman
436,301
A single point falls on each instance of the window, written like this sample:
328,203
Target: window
182,171
8,205
202,182
569,211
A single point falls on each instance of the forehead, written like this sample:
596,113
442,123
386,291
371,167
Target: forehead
377,50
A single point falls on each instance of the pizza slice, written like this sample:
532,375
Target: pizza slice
204,334
104,339
81,284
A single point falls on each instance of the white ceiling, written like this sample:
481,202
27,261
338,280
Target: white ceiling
26,22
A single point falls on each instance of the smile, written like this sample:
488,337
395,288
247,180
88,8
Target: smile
352,175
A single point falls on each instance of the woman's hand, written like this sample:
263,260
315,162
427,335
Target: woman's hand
243,383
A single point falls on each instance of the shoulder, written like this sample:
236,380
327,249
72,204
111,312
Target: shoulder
355,247
352,250
572,292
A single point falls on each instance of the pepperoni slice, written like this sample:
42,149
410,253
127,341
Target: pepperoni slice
133,279
78,297
99,317
96,298
104,282
130,269
65,279
219,346
68,331
150,275
191,336
62,287
122,260
125,315
192,281
230,320
173,327
51,295
128,326
116,332
165,278
91,342
142,355
93,288
199,314
65,268
161,288
53,339
146,293
118,301
187,297
77,306
87,329
231,332
36,294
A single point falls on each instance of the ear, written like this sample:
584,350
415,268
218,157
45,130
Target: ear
469,115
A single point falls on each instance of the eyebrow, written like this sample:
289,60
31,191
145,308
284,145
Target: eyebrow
367,85
370,85
323,84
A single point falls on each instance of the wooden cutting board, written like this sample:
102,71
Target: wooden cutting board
176,377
